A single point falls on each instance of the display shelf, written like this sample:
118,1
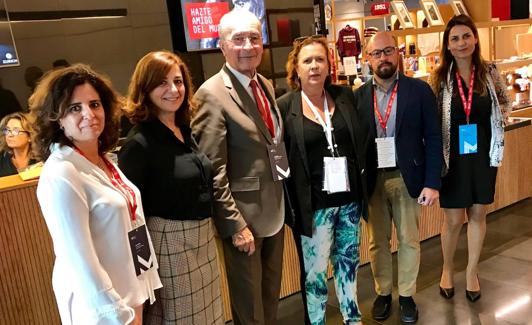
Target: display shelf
501,65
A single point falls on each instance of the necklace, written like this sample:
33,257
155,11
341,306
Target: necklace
100,163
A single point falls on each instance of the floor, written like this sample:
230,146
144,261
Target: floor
505,278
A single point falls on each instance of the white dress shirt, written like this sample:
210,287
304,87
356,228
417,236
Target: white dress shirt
94,278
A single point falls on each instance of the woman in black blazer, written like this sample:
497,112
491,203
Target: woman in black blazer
325,189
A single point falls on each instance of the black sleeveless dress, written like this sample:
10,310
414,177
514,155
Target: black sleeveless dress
470,179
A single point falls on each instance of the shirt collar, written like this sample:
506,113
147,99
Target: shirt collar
242,78
380,87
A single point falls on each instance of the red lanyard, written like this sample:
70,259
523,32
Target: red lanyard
119,184
384,122
466,104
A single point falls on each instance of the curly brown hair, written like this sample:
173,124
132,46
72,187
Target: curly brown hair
291,64
150,71
439,76
24,122
50,100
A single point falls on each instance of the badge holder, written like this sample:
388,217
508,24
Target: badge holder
140,249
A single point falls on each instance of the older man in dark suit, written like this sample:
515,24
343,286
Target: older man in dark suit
404,161
237,125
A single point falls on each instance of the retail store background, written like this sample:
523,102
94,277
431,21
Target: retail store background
113,46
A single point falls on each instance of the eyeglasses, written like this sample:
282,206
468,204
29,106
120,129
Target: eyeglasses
13,131
387,52
240,40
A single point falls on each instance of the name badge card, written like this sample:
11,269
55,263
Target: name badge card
140,249
279,161
467,139
335,175
385,152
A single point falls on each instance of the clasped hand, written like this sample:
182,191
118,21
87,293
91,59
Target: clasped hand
244,241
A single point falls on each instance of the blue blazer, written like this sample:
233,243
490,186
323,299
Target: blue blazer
418,139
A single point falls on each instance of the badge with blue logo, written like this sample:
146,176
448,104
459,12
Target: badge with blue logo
467,138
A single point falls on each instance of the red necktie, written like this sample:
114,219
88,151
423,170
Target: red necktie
263,105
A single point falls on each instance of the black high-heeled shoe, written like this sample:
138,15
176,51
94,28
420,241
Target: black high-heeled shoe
447,293
473,295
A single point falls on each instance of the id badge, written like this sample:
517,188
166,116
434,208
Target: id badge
278,161
467,138
385,152
335,175
140,249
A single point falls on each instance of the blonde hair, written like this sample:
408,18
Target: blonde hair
24,121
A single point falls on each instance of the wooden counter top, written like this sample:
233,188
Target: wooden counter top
14,182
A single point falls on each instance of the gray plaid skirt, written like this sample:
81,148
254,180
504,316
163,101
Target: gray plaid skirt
188,268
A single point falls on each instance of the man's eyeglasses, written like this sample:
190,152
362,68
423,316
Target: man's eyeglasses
240,40
387,52
13,131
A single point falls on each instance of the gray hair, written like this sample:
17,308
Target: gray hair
234,18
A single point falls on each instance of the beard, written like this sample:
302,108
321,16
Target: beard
386,70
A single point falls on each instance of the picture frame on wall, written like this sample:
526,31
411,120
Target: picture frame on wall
401,11
458,7
432,12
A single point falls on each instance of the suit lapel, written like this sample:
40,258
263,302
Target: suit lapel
368,100
271,98
344,109
296,110
402,95
242,98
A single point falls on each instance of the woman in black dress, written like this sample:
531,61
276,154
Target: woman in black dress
474,106
175,180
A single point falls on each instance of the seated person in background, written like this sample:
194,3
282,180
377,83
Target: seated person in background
15,145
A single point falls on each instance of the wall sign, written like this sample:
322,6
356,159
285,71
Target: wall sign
378,9
203,18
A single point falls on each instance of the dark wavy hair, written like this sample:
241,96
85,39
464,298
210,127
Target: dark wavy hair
150,71
481,68
24,122
49,103
291,64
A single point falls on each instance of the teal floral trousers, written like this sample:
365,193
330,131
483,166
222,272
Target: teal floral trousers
335,235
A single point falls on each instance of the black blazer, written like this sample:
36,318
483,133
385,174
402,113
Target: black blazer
418,139
299,188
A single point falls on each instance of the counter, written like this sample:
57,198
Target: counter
26,260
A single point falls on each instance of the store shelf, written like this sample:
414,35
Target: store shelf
512,64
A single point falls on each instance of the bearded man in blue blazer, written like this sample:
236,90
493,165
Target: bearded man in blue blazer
404,161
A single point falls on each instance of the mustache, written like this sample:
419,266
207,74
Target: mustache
384,64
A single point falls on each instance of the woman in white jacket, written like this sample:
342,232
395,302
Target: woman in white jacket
105,268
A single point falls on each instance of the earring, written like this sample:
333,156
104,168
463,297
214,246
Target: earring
61,127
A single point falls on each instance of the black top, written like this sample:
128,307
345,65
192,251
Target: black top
316,146
480,115
175,179
6,165
470,179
